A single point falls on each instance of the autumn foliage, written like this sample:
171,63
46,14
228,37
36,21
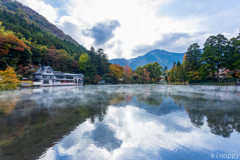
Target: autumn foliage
8,79
59,60
149,73
115,71
11,42
97,79
128,70
238,74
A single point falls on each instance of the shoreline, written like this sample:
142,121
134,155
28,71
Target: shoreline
193,84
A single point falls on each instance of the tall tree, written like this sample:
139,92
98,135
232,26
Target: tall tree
171,75
165,68
184,67
84,63
218,45
209,61
174,64
179,70
115,72
232,54
193,57
103,64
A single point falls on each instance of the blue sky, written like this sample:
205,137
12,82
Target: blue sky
126,29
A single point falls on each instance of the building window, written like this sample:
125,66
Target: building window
69,77
45,82
44,76
66,81
49,71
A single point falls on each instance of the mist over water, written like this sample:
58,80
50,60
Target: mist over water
120,122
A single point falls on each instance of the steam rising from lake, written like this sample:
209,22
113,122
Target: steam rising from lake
120,122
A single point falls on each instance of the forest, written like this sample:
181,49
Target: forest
218,54
24,44
147,74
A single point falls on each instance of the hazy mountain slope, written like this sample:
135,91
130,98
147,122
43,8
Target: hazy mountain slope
32,16
163,57
121,61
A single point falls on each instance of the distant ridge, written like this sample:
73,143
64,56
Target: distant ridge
164,58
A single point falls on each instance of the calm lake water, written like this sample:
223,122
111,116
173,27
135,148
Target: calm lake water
120,122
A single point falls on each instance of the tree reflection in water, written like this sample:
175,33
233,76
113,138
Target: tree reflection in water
42,117
223,117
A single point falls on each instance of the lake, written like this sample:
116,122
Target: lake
120,122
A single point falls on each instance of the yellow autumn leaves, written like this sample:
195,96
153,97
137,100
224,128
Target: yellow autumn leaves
8,79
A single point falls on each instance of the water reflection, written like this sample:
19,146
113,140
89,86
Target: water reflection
119,122
223,115
103,136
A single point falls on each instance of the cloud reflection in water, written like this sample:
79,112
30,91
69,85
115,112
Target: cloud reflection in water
130,132
122,122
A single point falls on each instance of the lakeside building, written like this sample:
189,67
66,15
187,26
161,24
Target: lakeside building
46,76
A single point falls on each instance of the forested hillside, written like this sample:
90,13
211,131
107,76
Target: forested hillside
34,33
32,16
24,44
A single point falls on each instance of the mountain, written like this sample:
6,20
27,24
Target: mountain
164,58
121,61
32,16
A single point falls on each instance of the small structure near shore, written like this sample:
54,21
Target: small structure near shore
46,76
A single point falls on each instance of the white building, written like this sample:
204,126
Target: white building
47,77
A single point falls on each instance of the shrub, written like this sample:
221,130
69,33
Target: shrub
8,79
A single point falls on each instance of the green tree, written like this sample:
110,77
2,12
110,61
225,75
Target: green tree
193,56
171,75
184,67
218,46
179,72
232,54
84,63
154,70
209,61
174,64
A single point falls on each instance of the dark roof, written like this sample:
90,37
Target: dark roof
41,70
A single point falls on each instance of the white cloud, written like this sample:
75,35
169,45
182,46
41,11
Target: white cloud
50,154
44,9
137,19
142,22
